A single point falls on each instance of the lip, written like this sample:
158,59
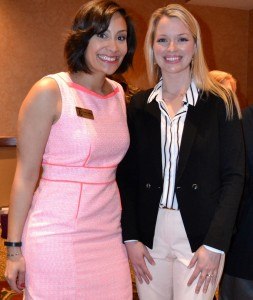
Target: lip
108,59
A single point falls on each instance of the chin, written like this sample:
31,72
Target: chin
111,70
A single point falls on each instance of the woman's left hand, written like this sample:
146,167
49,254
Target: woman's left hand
206,264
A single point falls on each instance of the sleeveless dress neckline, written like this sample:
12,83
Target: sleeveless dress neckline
84,89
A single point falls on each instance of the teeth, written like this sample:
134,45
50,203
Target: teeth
172,58
107,58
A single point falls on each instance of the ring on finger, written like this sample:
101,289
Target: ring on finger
209,275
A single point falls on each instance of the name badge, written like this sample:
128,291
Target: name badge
84,113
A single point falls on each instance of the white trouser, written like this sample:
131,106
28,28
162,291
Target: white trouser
172,254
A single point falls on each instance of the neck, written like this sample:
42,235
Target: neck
93,82
175,82
175,87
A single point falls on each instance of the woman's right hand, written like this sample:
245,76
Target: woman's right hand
15,273
137,252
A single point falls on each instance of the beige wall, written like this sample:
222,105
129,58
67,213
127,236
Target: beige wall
32,38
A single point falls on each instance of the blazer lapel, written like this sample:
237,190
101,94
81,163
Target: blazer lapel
192,120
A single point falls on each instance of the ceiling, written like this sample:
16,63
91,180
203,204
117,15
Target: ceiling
237,4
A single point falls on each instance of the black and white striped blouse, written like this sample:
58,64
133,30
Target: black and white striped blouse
171,135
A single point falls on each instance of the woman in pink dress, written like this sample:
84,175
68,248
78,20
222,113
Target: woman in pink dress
64,240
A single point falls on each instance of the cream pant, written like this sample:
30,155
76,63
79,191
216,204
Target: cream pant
172,254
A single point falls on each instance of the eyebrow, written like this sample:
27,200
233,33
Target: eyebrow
120,31
165,34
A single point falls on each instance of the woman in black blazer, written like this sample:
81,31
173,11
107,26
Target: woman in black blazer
182,177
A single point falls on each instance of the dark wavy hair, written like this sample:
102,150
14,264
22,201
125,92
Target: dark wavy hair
94,18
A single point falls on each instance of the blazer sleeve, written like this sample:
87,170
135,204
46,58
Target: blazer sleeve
232,173
127,174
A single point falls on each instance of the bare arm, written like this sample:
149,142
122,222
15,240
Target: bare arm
40,109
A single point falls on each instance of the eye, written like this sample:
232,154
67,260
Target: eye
122,38
183,39
161,40
102,35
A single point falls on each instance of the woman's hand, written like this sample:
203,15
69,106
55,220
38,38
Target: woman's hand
206,264
15,273
136,252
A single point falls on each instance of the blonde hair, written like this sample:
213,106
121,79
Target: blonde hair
199,69
229,82
224,78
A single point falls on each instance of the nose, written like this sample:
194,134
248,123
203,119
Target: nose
113,45
172,46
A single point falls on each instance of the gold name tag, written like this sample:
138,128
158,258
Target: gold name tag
84,113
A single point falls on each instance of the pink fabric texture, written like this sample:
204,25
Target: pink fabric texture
72,238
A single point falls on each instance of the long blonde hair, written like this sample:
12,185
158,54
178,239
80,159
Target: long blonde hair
199,69
224,78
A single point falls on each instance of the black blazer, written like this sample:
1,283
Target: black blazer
239,262
209,178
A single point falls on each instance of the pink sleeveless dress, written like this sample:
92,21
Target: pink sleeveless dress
72,240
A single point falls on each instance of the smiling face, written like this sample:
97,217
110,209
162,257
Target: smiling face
173,46
106,50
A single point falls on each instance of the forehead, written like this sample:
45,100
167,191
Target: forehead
171,25
117,22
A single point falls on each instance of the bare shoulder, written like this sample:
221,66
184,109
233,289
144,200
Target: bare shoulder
39,111
44,97
45,90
